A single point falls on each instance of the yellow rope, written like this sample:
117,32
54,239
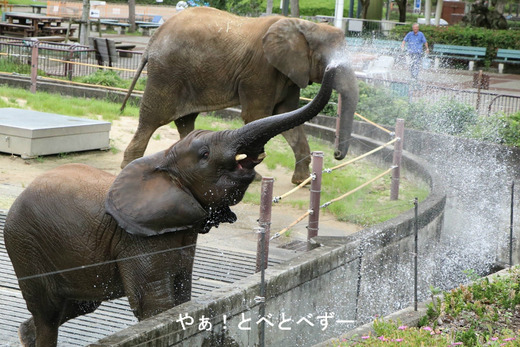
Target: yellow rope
374,124
358,188
89,85
301,185
361,156
93,65
284,230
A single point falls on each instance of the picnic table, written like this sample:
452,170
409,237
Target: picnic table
32,24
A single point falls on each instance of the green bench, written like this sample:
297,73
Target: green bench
469,53
506,56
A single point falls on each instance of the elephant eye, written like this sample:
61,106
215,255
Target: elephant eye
204,154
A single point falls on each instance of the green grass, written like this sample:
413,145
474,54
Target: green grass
69,106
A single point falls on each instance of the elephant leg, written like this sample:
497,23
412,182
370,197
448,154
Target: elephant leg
186,124
139,142
298,142
41,330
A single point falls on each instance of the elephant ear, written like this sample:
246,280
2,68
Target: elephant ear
287,49
146,201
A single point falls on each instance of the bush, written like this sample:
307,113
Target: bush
447,116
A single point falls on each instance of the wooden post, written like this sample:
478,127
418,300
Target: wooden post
479,86
266,200
314,204
398,153
34,66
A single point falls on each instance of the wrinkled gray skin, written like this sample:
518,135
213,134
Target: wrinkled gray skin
203,59
78,236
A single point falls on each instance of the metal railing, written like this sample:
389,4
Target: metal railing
65,59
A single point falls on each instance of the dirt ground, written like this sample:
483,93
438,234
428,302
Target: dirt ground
17,173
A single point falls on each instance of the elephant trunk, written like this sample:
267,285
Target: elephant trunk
257,133
346,85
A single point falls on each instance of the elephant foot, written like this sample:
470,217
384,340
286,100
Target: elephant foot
299,178
27,333
124,163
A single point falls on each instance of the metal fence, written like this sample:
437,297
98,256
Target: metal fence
66,59
484,101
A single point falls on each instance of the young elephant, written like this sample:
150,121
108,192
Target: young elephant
78,236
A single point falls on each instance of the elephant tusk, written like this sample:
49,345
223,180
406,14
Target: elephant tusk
240,157
262,156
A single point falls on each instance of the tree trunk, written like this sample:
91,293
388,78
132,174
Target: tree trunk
269,7
364,10
402,10
84,26
295,8
131,15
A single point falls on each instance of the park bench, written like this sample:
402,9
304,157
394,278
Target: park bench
506,56
146,28
468,53
16,29
118,26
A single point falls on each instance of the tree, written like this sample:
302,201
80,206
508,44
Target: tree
131,15
295,8
364,8
401,4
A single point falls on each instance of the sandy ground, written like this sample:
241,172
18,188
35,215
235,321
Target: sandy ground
17,173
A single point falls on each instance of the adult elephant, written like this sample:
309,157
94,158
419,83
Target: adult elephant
203,59
78,236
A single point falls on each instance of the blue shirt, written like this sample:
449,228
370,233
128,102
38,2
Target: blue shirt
415,42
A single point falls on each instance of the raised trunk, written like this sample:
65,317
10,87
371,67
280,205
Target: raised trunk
346,85
260,131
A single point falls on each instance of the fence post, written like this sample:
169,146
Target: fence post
511,223
314,205
416,250
34,66
266,200
398,153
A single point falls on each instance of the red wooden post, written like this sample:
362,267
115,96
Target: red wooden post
266,200
398,153
34,66
314,205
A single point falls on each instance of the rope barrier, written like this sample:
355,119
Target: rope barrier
374,124
361,156
284,230
358,188
308,179
89,85
94,65
298,187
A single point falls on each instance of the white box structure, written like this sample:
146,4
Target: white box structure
31,133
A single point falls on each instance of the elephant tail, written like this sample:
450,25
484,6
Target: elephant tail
134,81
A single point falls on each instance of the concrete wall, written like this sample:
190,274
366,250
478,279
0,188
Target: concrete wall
347,279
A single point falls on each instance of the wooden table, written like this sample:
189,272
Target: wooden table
32,24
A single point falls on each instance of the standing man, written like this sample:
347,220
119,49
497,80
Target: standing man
415,40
